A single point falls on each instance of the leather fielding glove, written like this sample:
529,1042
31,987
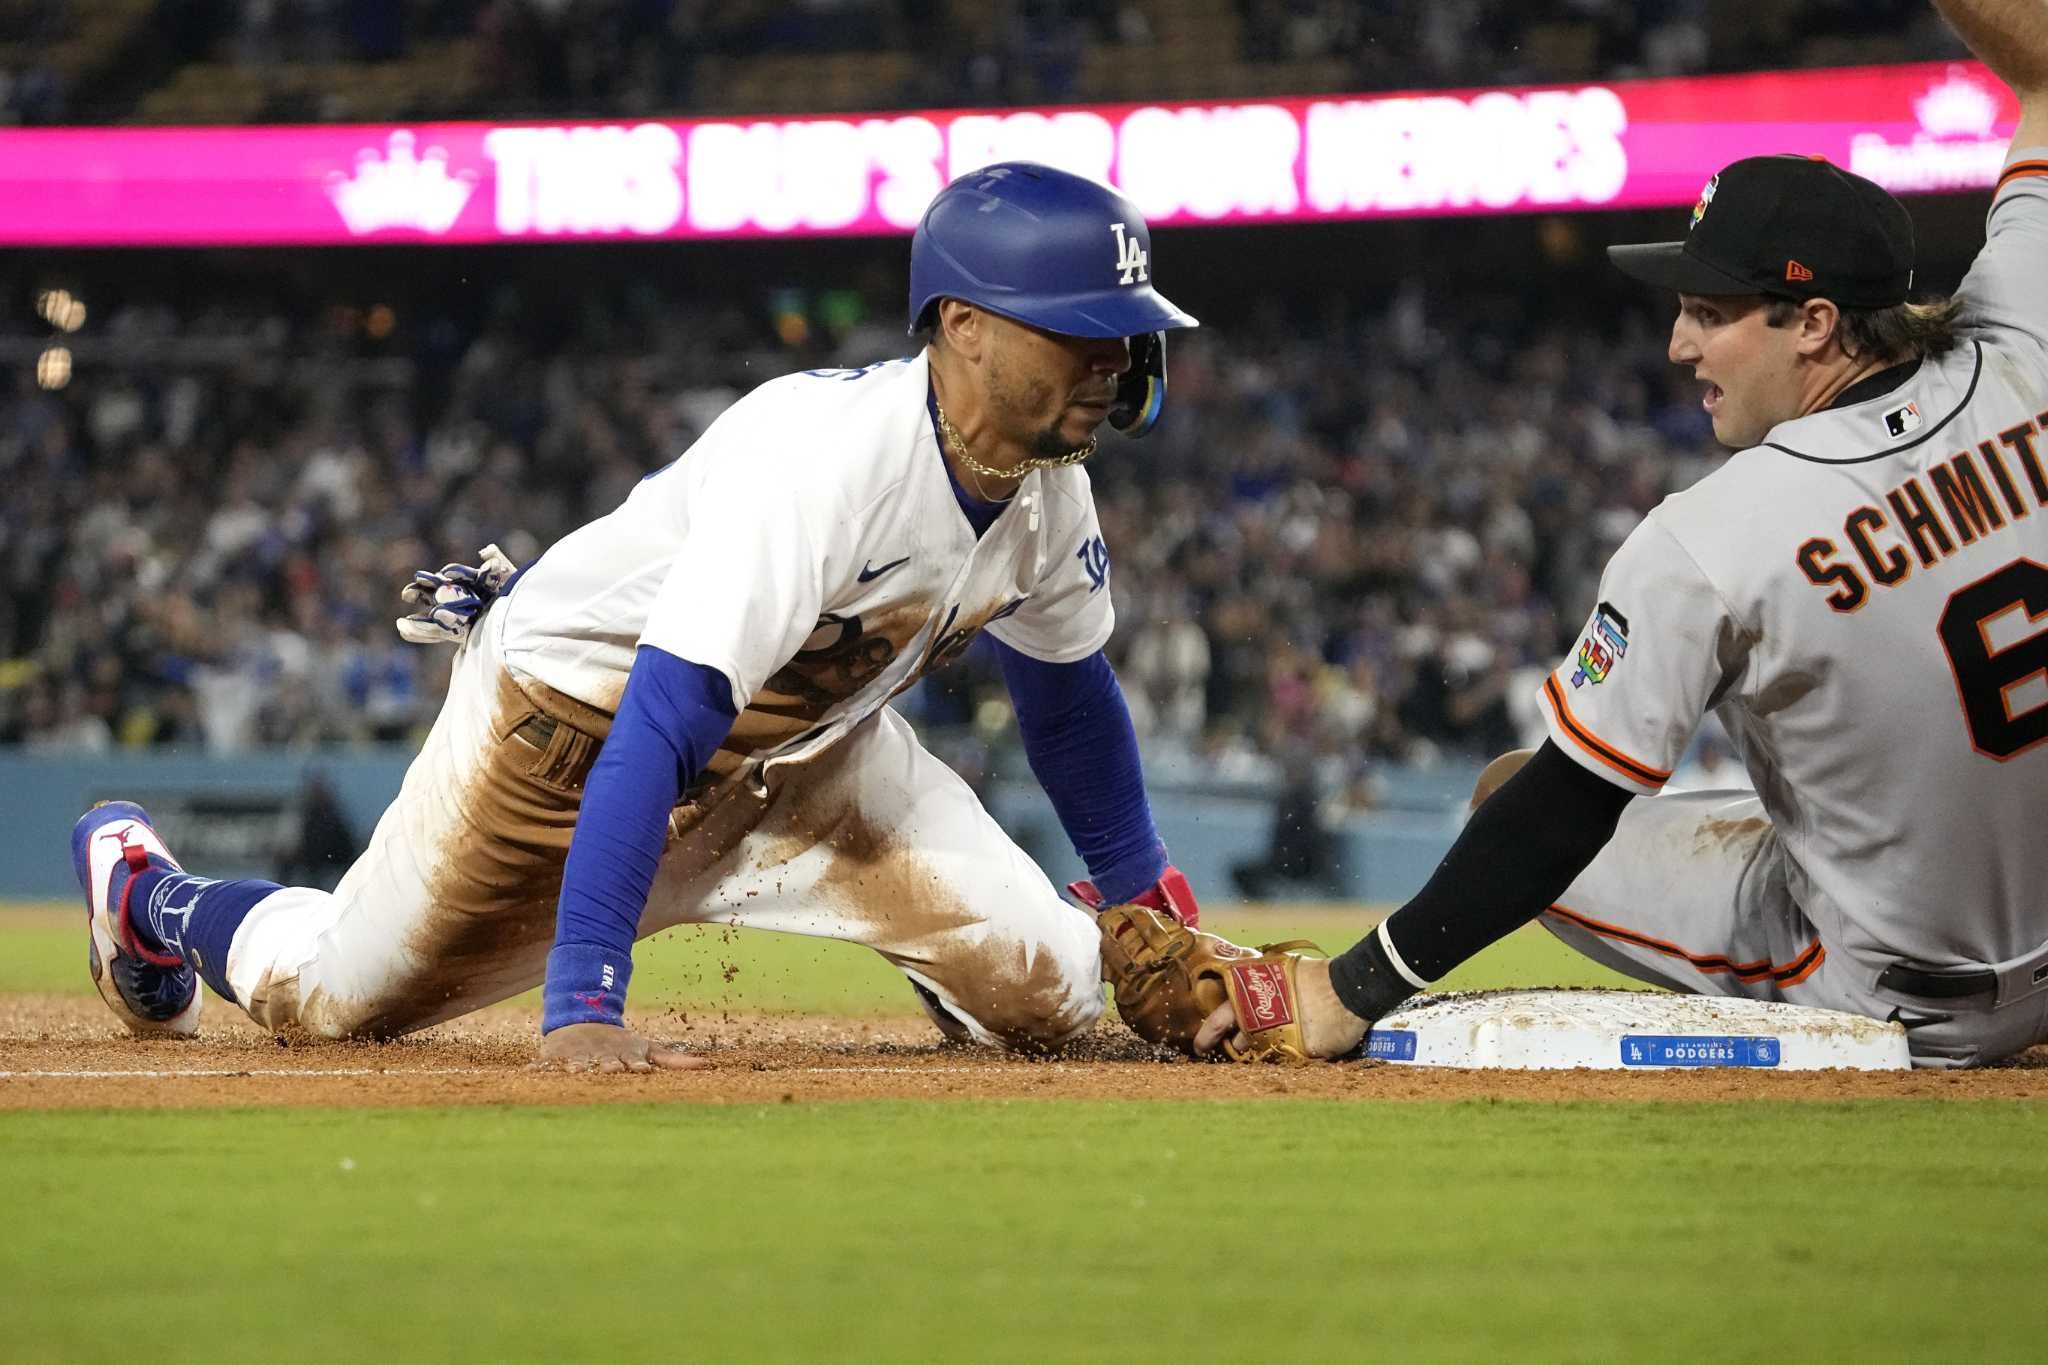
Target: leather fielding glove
446,605
1169,977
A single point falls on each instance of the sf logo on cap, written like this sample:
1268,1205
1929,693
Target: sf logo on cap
1130,257
1699,210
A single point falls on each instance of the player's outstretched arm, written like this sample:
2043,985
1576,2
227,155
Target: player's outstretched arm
1523,846
1079,739
2010,37
671,719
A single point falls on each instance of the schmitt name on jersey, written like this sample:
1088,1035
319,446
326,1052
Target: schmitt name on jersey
1924,519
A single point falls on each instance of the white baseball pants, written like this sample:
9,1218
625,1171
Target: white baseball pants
1693,893
452,905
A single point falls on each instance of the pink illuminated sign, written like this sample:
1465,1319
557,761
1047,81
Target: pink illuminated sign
1913,128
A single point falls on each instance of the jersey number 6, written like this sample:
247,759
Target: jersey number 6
1998,647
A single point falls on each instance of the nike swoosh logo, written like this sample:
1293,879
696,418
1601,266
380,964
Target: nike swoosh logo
869,573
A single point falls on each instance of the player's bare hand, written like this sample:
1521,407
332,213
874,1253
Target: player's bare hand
1327,1028
610,1048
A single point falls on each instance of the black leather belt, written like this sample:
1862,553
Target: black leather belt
1938,985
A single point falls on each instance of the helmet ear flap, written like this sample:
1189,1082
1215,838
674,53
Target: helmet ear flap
1141,393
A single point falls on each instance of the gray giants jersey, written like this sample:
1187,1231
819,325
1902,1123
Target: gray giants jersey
1863,600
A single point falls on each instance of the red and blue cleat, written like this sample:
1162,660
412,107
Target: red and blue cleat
152,992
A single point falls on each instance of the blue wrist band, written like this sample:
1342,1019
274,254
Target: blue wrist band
586,984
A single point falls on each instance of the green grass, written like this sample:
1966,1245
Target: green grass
1028,1232
1032,1231
43,951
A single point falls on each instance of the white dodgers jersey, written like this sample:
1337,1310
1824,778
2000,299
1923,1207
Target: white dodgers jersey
809,546
1863,600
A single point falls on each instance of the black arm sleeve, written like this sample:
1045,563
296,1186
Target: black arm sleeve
1514,857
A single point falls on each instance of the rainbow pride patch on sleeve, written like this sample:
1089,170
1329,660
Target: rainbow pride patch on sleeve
1601,650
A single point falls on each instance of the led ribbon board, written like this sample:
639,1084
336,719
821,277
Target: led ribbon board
1623,144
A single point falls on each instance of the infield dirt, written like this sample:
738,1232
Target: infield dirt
63,1052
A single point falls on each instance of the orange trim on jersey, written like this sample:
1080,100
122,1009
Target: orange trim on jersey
1803,964
2020,170
1599,748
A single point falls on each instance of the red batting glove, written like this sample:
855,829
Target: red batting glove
1170,893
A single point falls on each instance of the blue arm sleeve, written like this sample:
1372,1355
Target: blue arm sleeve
671,720
1077,733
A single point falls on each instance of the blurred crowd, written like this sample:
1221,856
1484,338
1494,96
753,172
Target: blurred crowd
1356,538
1367,540
639,56
1407,43
77,60
32,87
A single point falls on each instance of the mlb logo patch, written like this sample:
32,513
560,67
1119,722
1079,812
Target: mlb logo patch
1605,642
1899,421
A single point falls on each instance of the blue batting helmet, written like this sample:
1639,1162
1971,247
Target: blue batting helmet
1041,246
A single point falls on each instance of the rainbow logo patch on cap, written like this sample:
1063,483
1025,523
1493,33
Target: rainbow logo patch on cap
1699,210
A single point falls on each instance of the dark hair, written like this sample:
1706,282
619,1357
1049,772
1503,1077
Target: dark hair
927,332
1903,331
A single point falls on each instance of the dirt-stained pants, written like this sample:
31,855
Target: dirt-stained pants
452,905
1693,893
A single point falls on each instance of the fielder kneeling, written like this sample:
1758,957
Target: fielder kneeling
1859,594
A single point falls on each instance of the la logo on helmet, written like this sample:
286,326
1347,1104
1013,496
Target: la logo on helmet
1130,257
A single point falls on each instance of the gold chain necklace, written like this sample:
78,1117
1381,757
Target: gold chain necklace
959,445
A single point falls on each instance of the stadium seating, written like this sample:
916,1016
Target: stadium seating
175,61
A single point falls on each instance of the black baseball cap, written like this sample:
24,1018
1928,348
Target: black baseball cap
1797,227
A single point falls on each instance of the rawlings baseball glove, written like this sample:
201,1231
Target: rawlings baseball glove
1168,978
